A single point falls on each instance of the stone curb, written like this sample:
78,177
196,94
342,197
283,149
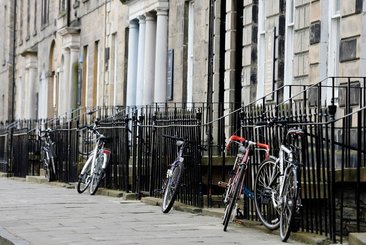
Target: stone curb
357,238
303,237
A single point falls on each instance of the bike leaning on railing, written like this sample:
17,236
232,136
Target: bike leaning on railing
277,184
174,175
94,168
235,186
48,154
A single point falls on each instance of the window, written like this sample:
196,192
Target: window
35,19
21,22
28,21
348,49
62,6
3,50
45,12
315,32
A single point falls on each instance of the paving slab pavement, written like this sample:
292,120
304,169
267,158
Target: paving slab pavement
33,213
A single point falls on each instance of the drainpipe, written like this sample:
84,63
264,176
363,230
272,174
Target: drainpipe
209,97
68,12
13,68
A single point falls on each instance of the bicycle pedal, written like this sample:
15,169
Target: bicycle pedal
239,214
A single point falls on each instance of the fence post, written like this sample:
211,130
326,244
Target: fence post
200,184
10,151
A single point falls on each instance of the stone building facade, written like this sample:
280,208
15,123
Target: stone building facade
6,60
68,54
71,54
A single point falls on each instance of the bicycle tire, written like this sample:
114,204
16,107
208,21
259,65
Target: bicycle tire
84,180
172,187
230,206
53,168
289,199
267,182
228,191
46,166
97,174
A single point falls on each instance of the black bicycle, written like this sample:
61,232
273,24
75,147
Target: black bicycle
174,175
48,154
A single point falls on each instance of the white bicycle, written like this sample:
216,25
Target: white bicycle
94,169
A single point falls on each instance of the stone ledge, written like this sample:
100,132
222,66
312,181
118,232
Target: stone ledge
357,238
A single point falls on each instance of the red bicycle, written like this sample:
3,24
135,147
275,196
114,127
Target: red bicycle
236,182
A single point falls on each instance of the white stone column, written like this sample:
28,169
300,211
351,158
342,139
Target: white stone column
132,63
73,78
149,65
140,62
32,92
28,102
161,55
64,88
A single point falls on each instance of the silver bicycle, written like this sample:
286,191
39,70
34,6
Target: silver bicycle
277,186
48,154
94,169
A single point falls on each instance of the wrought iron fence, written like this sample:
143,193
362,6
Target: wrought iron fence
332,114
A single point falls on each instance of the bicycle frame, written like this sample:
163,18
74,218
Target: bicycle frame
48,148
99,146
234,188
284,151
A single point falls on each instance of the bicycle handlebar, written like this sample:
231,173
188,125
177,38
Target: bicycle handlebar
274,121
241,140
174,137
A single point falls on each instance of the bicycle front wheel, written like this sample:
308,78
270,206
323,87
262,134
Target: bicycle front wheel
237,184
172,187
84,179
266,188
289,199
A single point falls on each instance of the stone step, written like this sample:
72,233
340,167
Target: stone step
357,238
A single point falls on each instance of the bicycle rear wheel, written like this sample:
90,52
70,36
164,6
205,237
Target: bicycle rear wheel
46,167
233,196
172,187
97,176
289,199
267,184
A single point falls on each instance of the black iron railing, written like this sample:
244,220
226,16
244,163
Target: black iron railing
332,114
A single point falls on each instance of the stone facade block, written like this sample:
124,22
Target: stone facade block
247,35
247,56
230,40
351,26
315,11
231,20
314,53
349,68
348,7
230,60
229,80
314,72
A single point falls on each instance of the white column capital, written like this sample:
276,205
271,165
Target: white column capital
150,16
133,24
161,11
142,19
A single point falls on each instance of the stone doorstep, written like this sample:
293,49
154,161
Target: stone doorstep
357,238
